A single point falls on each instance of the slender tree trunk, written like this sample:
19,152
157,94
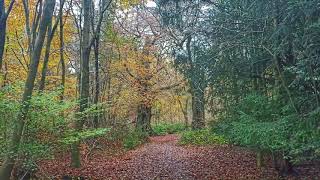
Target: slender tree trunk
7,166
51,32
103,5
109,98
84,78
186,117
277,58
62,62
3,25
184,110
259,158
5,75
46,58
97,79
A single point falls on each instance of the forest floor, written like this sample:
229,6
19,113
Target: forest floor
163,158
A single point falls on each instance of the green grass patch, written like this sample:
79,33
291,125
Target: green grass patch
168,128
201,137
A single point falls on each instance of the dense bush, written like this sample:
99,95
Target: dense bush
260,123
47,128
134,138
201,137
47,120
168,128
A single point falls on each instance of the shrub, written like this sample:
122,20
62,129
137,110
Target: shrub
264,124
201,137
45,125
167,128
134,139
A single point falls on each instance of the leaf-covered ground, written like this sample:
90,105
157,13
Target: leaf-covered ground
163,158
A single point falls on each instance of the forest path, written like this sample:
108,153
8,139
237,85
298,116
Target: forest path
163,158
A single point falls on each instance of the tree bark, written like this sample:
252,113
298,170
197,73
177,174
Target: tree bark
197,91
184,110
109,97
62,62
84,78
46,58
51,31
198,109
97,79
3,27
259,158
283,165
144,109
7,166
144,119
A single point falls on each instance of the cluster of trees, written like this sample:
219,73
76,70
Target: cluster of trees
255,67
72,71
250,67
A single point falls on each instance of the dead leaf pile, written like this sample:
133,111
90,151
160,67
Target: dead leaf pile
162,158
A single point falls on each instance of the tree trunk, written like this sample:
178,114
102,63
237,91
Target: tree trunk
62,62
197,91
46,59
259,158
144,109
3,25
198,109
84,78
109,97
144,119
5,75
286,167
97,79
283,165
51,31
7,166
184,110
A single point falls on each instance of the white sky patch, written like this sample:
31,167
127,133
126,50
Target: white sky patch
151,4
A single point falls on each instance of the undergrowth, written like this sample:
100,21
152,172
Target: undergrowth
168,128
134,138
201,137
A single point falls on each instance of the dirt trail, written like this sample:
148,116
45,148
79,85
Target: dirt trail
162,158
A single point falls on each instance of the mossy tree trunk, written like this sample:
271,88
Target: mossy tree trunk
144,118
198,109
